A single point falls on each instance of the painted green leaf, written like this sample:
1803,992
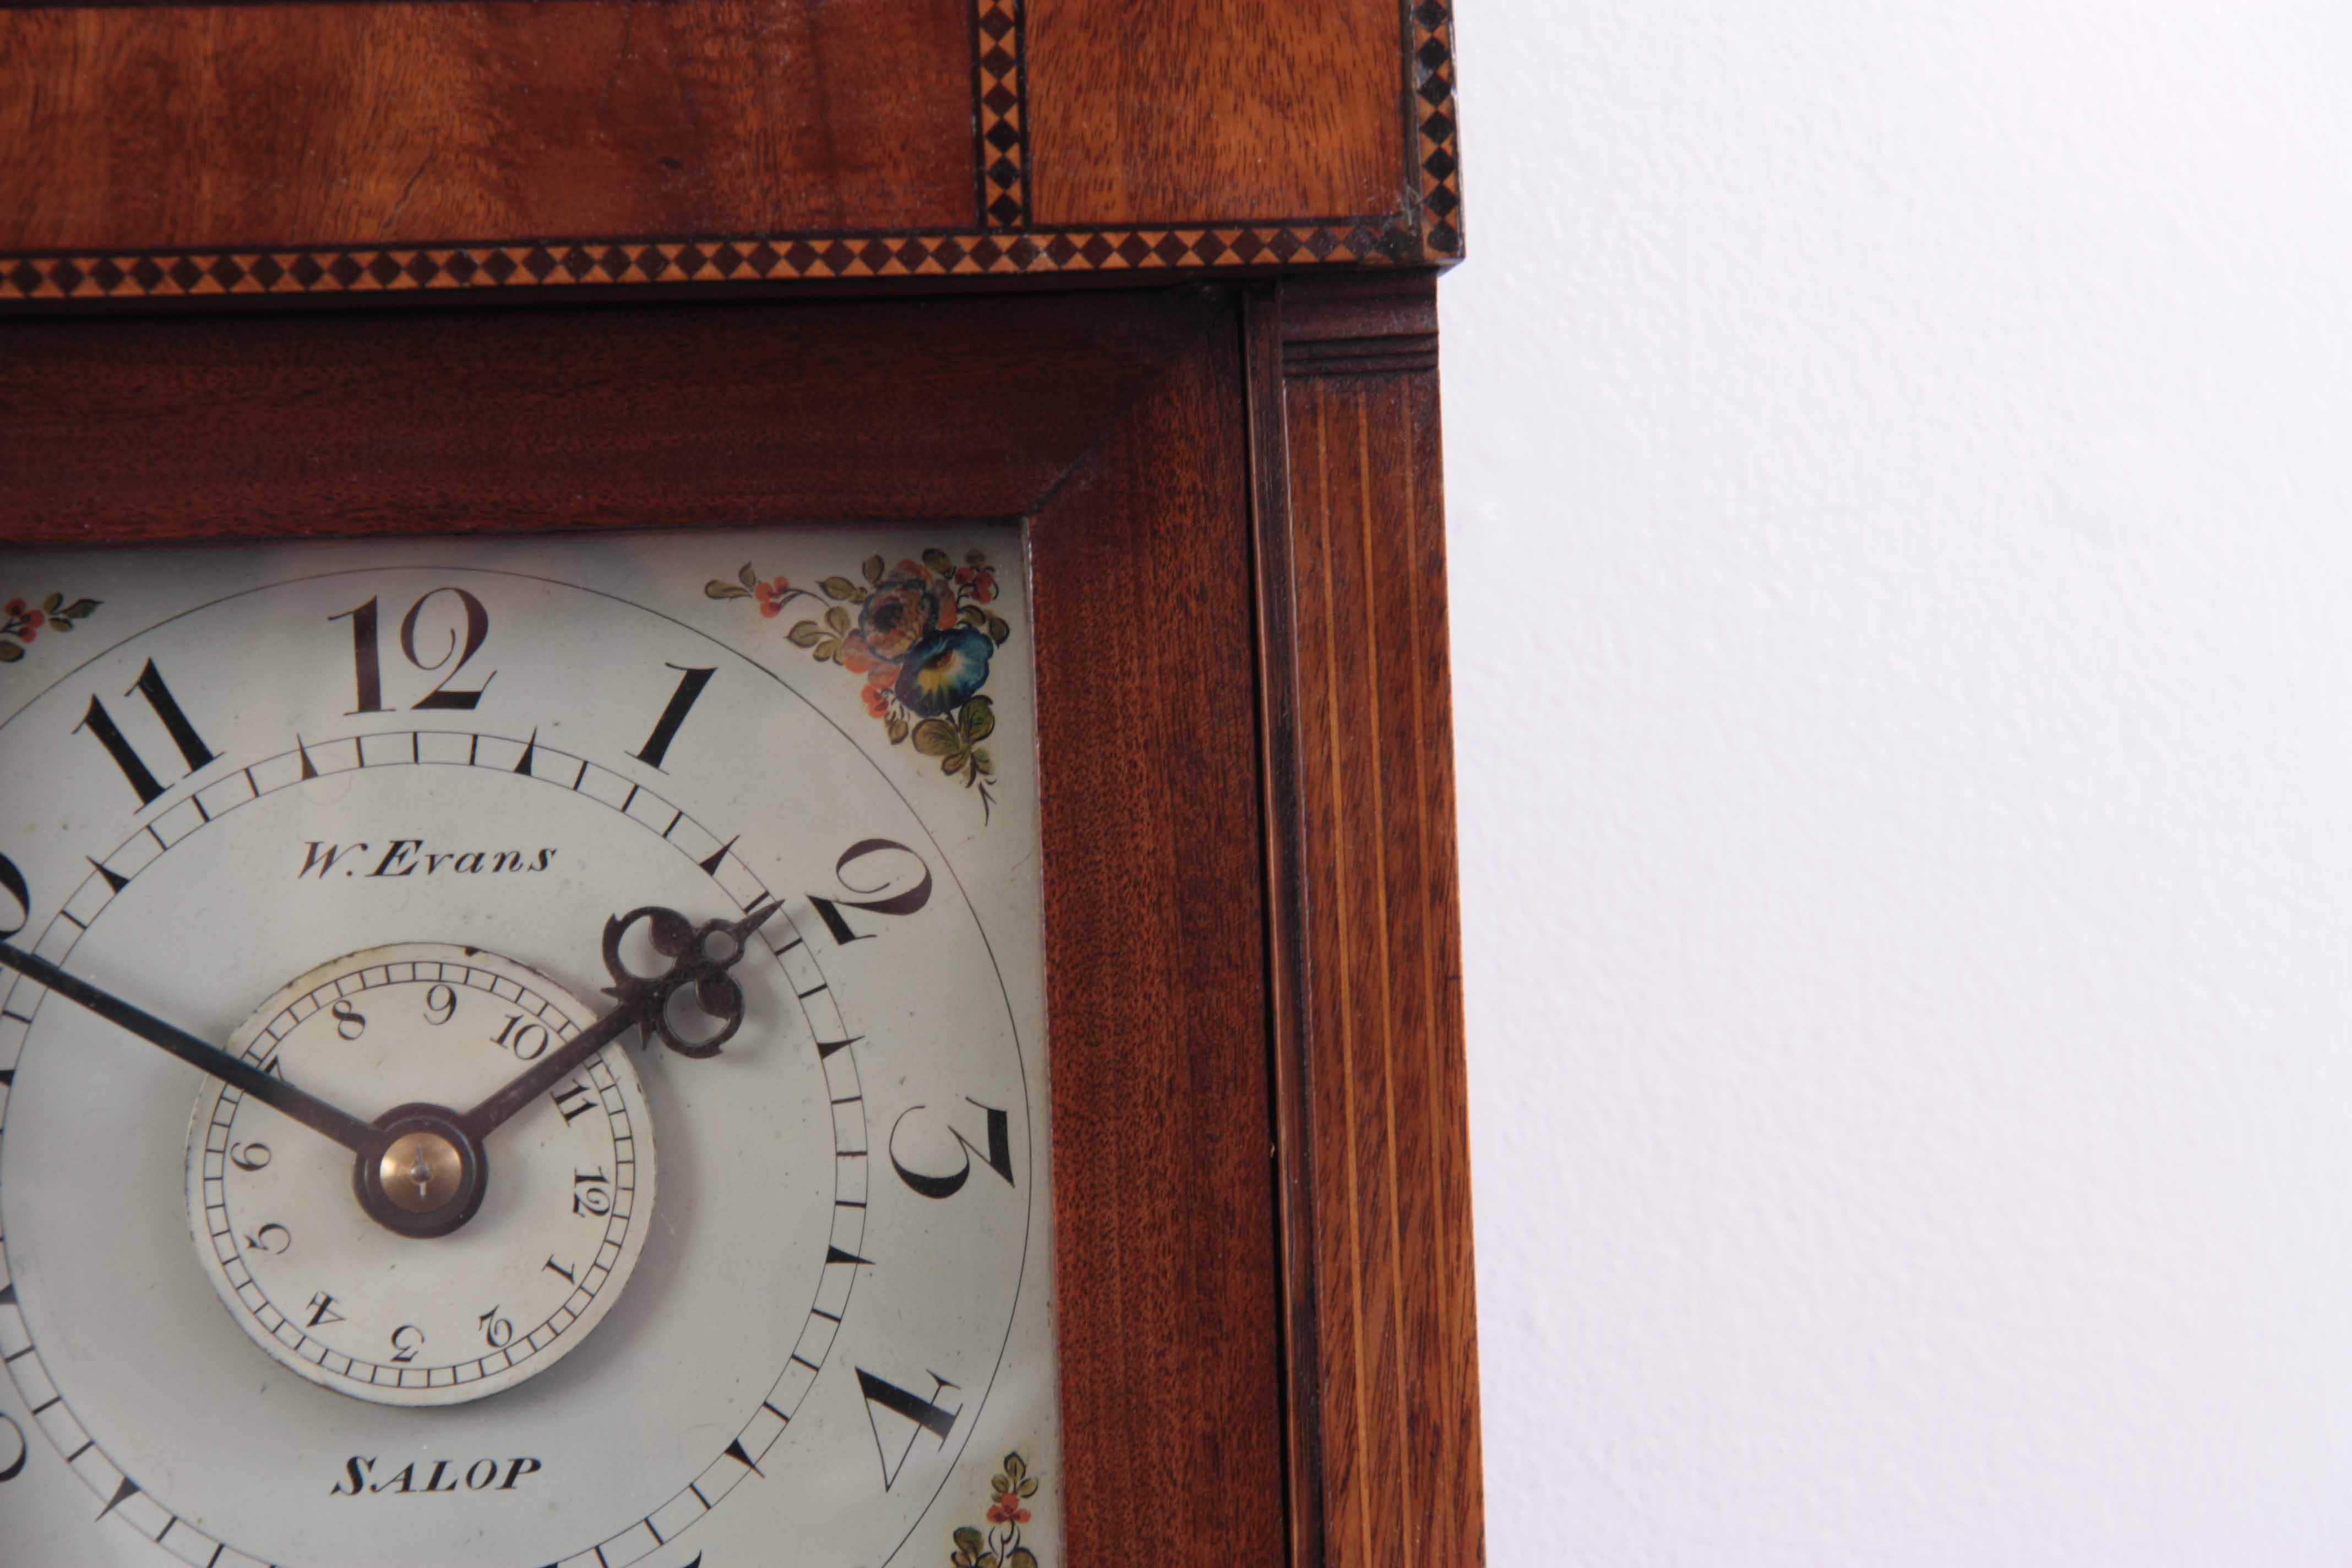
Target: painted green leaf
51,604
954,763
981,762
970,1540
837,587
806,634
745,575
937,738
873,569
60,624
829,649
897,728
11,652
976,557
998,629
999,1485
1029,1488
719,588
979,723
81,607
973,616
937,560
839,619
1020,1557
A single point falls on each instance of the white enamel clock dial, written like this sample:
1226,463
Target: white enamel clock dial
401,827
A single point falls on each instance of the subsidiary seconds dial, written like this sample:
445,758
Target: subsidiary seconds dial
329,1293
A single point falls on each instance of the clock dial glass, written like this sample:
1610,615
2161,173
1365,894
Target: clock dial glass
524,1052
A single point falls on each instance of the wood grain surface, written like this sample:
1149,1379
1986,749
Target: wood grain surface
1171,1371
276,426
1165,114
1359,800
196,127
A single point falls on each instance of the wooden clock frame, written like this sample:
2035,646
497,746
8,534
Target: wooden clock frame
1228,471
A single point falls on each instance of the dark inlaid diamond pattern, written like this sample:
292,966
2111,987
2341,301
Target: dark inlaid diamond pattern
1000,86
1441,162
748,259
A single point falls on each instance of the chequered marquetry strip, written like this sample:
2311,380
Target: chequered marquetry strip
1000,83
592,262
1440,152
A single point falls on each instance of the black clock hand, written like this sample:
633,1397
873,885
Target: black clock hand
644,1003
275,1092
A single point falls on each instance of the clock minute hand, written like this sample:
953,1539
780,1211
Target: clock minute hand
644,1003
275,1092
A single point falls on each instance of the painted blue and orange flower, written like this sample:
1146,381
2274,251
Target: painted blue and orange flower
945,672
921,633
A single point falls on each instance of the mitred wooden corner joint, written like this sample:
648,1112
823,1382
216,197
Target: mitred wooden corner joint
1159,289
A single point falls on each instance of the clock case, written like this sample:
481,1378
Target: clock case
1223,440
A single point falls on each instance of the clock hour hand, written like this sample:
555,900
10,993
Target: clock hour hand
698,957
275,1092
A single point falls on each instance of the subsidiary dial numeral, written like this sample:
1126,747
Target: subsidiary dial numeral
109,734
592,1193
367,658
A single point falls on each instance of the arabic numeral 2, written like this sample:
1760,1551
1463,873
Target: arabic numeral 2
876,888
407,1340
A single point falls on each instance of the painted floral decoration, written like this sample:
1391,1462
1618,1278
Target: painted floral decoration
999,1546
922,633
25,622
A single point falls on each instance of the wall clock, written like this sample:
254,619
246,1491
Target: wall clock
736,891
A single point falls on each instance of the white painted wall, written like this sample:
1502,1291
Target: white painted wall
1900,463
